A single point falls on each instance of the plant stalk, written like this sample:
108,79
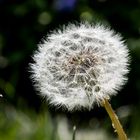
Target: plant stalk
74,132
115,122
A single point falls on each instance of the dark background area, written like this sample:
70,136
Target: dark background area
23,23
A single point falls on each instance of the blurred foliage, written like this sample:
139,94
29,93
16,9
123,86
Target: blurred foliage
15,125
23,23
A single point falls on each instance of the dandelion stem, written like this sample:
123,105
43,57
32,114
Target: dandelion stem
74,132
115,122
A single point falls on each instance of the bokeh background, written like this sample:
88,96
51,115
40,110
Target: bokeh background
23,114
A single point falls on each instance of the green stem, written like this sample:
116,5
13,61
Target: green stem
74,132
115,122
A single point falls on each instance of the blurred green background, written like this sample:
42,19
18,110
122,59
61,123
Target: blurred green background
23,114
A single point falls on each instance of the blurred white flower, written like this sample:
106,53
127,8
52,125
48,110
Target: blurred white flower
80,65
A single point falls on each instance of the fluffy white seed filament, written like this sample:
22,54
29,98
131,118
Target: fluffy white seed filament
80,65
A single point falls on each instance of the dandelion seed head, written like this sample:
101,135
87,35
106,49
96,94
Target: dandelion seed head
80,65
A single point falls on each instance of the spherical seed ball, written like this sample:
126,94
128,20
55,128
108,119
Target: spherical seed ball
80,65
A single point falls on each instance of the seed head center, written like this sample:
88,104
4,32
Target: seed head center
76,60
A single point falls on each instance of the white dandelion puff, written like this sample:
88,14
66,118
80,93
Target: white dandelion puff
80,65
